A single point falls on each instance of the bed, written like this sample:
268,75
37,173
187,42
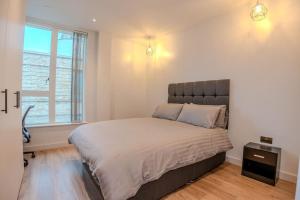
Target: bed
148,158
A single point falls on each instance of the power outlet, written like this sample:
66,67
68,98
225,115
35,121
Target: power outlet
267,140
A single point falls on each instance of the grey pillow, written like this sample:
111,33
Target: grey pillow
199,115
221,120
168,111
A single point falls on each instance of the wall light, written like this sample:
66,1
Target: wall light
259,11
150,49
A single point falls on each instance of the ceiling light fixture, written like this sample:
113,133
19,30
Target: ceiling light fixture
94,20
149,50
259,11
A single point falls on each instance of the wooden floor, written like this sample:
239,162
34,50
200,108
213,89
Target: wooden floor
54,175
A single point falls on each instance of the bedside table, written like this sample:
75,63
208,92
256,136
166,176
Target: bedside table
261,162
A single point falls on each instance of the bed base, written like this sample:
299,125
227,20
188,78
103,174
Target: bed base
168,183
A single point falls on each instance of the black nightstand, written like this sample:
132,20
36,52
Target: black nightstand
261,162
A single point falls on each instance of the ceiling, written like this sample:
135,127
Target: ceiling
130,17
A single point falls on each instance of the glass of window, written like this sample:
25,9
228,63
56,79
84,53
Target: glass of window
63,77
36,73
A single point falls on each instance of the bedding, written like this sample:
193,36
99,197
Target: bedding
125,154
168,111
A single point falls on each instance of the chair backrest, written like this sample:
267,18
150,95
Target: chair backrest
25,115
25,132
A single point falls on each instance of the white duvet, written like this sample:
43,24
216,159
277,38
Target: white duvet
125,154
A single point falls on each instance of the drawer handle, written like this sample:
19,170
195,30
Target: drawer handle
258,156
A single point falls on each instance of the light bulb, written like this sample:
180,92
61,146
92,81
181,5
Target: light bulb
149,51
259,12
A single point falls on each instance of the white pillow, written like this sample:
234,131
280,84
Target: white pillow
199,115
168,111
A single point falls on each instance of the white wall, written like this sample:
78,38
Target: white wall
128,78
262,61
49,137
104,77
90,87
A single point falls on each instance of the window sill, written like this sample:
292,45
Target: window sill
55,125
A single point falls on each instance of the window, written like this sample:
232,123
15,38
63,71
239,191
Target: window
63,77
49,74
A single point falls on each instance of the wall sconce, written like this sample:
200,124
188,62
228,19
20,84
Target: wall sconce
150,49
259,11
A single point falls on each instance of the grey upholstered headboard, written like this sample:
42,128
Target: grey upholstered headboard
214,92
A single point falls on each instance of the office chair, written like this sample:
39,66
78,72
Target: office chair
26,135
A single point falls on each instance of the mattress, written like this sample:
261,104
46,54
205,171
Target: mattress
126,154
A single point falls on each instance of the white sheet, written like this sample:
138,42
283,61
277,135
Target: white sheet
125,154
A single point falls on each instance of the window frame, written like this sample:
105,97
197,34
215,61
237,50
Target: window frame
51,93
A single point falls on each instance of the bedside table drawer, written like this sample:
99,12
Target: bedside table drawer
260,156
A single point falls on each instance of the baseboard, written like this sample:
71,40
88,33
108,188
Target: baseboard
234,160
287,176
41,147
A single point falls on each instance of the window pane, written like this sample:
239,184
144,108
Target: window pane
64,77
36,59
40,113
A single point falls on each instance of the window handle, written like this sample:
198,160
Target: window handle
17,99
5,110
47,80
